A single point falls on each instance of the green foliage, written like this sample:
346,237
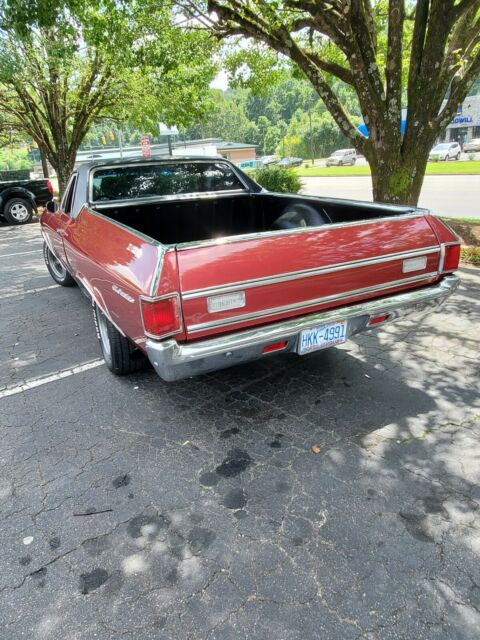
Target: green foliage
312,134
278,121
278,179
392,54
67,65
14,159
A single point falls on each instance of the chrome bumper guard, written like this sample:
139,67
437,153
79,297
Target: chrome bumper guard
173,361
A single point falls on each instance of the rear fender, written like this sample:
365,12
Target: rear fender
97,298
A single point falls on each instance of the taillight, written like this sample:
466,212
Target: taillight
276,346
451,257
378,319
50,186
161,317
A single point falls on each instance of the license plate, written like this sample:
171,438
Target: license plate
327,335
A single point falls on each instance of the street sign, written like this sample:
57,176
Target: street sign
167,131
146,148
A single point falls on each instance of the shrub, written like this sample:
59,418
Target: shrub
278,179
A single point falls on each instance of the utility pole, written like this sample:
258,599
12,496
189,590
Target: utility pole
311,138
120,146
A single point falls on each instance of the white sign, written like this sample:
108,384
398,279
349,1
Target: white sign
167,131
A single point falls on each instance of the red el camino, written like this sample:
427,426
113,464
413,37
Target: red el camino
191,264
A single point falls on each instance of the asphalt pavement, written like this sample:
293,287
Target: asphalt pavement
136,509
456,196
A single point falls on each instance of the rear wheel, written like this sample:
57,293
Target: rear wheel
340,164
121,355
56,268
18,211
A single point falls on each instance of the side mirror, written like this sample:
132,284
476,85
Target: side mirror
52,206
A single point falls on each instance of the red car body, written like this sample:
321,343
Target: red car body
266,287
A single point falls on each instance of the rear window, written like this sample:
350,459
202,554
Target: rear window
153,180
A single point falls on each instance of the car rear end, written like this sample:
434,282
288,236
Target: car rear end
236,299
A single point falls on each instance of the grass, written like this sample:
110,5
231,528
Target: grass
470,167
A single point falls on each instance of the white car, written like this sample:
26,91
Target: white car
473,145
342,157
446,151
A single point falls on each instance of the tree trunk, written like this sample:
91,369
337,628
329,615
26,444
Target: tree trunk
63,167
63,174
397,179
43,160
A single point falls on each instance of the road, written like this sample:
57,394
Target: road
457,196
136,509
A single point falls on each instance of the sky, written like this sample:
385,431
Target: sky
220,81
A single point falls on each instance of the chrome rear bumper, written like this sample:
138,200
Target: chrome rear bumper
173,361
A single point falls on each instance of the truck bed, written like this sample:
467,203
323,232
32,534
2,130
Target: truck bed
204,217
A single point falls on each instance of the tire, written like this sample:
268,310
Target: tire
353,162
121,356
56,268
296,216
340,163
18,211
457,157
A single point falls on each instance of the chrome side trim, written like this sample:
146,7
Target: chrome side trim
306,273
308,303
184,246
446,224
162,251
194,195
174,361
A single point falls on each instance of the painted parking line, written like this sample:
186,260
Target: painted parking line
20,253
52,377
18,294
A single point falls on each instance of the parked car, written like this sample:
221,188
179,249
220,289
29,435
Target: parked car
191,264
446,151
342,157
290,162
473,145
20,198
266,160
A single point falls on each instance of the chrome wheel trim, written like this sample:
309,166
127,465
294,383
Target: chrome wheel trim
19,211
103,330
56,266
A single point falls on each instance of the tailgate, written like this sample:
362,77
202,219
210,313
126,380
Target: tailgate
236,283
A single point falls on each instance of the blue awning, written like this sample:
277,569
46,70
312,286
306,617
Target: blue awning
364,131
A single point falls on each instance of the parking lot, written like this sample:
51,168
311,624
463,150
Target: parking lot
334,496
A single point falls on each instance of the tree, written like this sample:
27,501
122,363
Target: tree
422,55
65,66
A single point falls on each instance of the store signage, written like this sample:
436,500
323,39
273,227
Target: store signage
462,120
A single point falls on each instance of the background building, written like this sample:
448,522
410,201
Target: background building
466,123
235,151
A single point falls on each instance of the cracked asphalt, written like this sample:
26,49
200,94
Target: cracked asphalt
135,509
